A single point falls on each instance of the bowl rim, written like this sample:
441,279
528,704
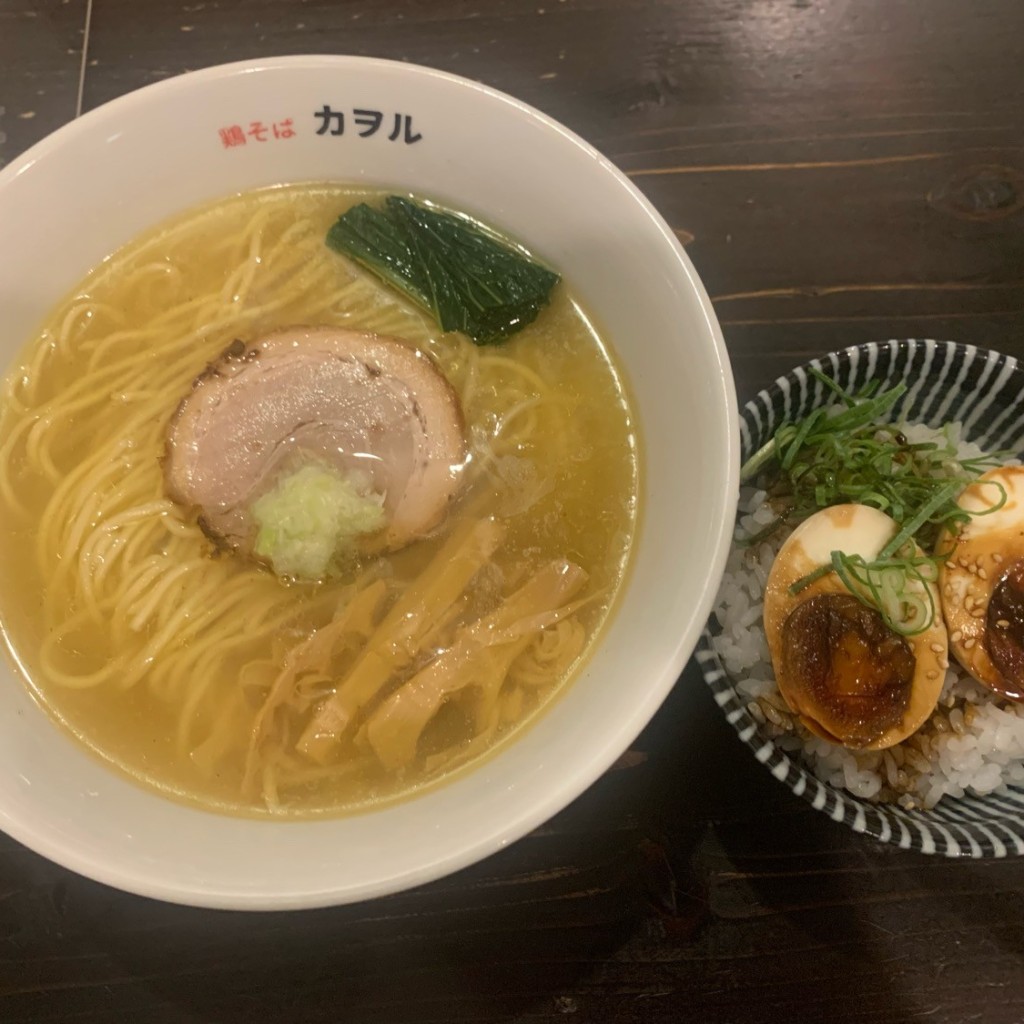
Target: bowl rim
660,683
945,830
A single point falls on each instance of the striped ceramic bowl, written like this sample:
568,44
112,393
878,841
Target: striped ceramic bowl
945,381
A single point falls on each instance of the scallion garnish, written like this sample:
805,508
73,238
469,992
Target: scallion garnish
886,585
846,453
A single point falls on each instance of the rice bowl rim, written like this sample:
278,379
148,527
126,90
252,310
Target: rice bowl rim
941,375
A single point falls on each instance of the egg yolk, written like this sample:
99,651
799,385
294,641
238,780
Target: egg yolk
850,673
1005,624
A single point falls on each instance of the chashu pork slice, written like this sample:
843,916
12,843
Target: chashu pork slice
374,408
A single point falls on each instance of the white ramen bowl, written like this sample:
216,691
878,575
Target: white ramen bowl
102,180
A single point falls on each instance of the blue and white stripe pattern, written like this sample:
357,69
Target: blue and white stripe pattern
945,381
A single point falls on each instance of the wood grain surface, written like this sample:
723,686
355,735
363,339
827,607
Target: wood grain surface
839,171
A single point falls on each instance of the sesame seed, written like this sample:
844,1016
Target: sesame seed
968,643
951,564
982,574
933,674
1003,623
956,636
937,648
943,662
996,557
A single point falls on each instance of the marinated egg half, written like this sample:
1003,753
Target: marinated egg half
982,582
849,677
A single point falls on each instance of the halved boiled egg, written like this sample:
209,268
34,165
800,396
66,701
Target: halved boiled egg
982,582
849,677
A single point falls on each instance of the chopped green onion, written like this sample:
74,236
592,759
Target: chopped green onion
921,516
847,453
888,586
812,577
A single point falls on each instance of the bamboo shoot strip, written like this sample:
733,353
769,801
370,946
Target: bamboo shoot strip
397,640
481,655
313,655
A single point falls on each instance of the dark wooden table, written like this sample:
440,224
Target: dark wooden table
839,171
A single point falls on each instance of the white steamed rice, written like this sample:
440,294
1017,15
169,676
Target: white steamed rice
973,742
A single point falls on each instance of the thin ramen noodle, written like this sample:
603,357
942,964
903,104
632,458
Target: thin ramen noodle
202,673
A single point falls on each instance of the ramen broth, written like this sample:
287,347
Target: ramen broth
160,653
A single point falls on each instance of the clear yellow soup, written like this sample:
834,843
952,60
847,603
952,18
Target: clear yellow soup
202,674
